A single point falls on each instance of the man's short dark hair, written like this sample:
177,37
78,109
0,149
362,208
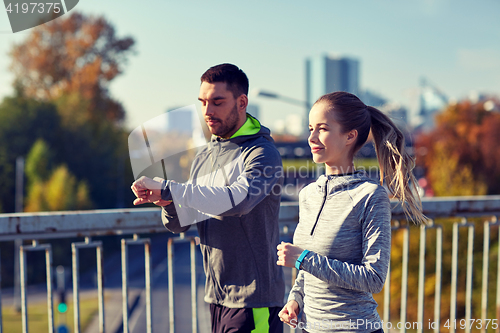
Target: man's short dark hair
235,79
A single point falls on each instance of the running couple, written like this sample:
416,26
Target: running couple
342,242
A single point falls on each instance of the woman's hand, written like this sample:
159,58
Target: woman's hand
288,254
289,314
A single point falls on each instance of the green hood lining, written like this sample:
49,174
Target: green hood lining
250,127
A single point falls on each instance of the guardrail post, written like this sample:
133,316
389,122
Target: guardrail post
421,279
387,295
404,274
404,278
387,285
498,282
439,276
1,324
48,267
124,285
171,312
147,264
194,308
76,285
486,255
454,272
171,298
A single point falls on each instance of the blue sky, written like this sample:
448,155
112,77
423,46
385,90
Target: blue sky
454,44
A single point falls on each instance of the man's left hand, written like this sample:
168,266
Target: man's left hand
288,254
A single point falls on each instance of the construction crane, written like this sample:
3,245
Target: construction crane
431,98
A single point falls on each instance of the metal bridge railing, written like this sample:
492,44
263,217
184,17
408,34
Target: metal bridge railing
125,222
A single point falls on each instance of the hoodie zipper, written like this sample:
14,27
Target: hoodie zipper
216,146
321,209
213,158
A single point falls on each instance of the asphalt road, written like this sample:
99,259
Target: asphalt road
137,305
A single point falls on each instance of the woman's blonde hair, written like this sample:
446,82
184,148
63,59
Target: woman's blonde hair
396,164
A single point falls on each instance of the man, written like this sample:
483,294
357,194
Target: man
233,195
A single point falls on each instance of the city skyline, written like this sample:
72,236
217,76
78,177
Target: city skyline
327,73
395,43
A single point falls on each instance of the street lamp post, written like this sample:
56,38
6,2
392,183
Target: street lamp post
289,100
262,93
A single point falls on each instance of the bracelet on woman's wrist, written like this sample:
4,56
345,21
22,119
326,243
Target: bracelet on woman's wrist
300,258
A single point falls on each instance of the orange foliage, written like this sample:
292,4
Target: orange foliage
466,140
78,54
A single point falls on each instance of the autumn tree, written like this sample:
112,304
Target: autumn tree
461,155
73,60
63,70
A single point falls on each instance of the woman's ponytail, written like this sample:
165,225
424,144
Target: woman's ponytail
396,164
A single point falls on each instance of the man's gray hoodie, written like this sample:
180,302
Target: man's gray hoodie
233,196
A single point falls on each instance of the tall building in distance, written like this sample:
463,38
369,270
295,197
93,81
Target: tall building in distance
184,121
179,120
328,73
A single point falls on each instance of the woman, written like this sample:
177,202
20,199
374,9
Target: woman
342,243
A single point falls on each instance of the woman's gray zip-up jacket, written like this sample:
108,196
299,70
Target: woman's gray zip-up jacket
233,196
344,221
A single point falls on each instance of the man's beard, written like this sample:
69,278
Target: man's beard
229,125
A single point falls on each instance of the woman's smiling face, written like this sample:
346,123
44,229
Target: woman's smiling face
328,144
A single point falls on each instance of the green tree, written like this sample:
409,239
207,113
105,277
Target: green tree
94,153
22,122
60,192
97,153
51,190
38,163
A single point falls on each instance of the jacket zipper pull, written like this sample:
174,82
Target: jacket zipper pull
321,209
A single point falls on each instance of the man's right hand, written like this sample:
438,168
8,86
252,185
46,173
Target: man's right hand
289,313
